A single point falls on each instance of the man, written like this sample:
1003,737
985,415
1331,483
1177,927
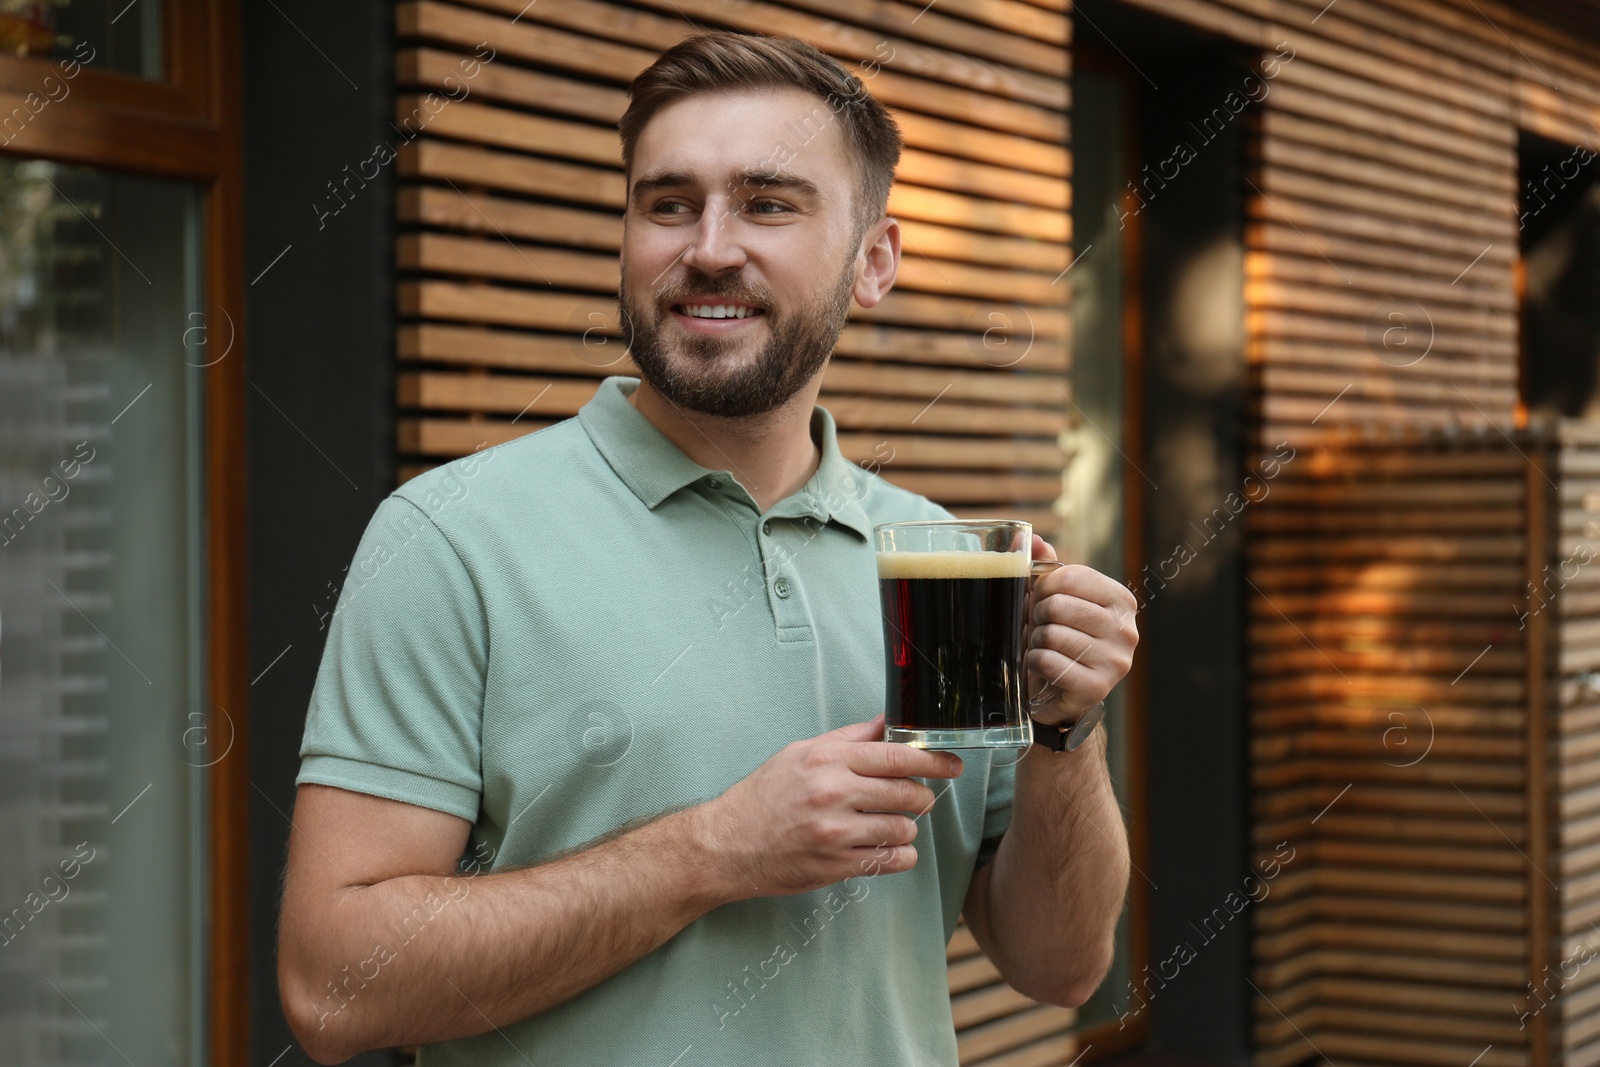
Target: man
586,778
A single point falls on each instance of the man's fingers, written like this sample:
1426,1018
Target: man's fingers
1086,583
886,830
887,759
1082,615
887,859
1083,681
1042,549
892,794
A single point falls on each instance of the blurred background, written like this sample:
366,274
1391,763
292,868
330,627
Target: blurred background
1285,313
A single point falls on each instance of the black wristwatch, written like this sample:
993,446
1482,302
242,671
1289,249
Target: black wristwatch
1067,736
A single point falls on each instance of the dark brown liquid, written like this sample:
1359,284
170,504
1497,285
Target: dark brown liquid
954,650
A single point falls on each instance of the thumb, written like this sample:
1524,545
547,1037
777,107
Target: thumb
1042,549
871,730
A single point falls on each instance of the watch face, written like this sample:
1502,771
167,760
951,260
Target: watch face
1085,726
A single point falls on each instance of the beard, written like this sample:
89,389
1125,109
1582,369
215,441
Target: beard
707,374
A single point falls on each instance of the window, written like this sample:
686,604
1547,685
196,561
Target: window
105,735
119,35
122,677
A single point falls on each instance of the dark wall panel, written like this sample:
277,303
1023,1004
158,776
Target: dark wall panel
318,95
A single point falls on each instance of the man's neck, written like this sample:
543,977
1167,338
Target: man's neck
772,455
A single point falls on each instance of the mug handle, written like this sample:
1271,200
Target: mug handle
1079,729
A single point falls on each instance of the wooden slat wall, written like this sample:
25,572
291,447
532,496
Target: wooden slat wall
1384,178
1425,631
1400,934
1385,167
510,207
509,218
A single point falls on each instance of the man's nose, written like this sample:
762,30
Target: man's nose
714,245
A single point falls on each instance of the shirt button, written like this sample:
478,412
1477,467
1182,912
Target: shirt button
766,528
714,483
781,587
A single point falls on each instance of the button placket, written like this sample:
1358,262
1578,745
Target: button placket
784,593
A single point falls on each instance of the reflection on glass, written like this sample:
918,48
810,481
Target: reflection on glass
100,668
118,35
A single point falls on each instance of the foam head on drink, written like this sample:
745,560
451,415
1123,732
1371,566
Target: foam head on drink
952,565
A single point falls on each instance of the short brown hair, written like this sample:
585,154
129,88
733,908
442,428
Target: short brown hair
721,61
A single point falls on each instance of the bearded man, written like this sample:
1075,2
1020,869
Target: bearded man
594,771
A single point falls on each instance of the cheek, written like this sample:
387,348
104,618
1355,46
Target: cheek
800,281
646,258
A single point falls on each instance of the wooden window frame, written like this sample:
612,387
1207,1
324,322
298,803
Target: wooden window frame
186,126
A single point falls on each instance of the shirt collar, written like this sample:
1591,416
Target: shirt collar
654,468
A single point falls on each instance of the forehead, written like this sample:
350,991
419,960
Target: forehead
715,136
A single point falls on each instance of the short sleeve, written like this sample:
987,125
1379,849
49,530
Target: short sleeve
997,806
397,709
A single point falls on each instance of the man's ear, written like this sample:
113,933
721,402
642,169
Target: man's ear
880,261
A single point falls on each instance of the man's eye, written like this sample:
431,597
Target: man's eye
664,207
758,205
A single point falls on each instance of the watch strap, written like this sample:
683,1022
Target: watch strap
1064,737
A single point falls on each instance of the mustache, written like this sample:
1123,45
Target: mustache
733,290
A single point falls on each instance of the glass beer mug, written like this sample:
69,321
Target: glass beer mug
956,601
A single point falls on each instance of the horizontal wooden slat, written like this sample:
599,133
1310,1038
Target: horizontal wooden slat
972,973
437,391
448,162
1442,944
974,488
976,1043
852,413
987,1003
861,377
908,450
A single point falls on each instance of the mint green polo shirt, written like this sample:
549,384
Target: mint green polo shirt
583,628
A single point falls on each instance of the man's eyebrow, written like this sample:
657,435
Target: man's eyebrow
759,179
670,179
776,179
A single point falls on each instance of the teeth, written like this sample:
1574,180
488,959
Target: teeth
718,311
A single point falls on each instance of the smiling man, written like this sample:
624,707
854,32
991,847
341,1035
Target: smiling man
592,772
